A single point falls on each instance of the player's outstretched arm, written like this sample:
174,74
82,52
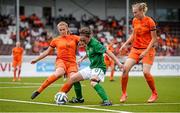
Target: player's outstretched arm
42,55
109,53
129,40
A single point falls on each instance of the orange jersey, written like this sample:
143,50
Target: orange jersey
142,31
66,47
17,53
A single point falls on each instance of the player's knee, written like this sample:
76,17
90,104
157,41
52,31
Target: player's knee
15,68
146,73
125,71
94,82
59,72
74,79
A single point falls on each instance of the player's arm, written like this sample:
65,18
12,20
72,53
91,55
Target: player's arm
42,55
110,54
81,59
153,40
129,40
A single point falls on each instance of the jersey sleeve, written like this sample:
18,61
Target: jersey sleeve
52,43
152,25
77,38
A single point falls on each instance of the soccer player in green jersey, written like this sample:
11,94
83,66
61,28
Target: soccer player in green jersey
96,71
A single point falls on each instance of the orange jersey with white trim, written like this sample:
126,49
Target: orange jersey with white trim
17,53
66,47
142,31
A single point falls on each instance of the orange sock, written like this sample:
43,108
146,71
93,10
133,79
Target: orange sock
124,81
15,74
112,75
47,82
66,87
150,81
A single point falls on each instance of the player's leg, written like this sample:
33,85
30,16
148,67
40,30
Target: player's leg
68,85
76,77
97,75
19,72
133,58
14,70
150,80
112,71
124,79
71,70
147,64
78,91
57,74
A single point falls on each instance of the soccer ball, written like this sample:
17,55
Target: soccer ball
60,98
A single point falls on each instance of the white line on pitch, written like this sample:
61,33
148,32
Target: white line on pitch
140,104
49,104
25,87
30,83
26,83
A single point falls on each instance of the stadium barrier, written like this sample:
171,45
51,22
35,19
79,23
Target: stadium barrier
163,66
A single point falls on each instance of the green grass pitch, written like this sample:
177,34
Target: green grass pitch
15,96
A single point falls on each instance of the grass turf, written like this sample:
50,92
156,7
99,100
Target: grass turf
138,93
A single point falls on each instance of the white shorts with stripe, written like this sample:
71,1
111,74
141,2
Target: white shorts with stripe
88,73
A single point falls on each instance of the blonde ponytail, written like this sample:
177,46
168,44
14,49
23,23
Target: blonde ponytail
141,6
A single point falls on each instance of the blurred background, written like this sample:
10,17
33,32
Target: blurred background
109,19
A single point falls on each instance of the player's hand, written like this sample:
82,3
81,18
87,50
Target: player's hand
142,54
33,61
121,66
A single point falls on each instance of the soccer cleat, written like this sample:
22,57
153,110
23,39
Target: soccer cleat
106,103
123,97
14,80
111,80
19,79
76,100
35,94
153,98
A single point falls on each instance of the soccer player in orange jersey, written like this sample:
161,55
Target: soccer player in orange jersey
109,62
17,53
66,45
142,38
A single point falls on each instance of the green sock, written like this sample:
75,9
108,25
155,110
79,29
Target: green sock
101,92
78,90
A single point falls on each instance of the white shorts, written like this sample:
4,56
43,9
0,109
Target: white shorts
88,73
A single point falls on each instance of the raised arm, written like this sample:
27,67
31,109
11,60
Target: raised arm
42,55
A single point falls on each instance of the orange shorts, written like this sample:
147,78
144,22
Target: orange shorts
148,59
108,61
16,63
67,66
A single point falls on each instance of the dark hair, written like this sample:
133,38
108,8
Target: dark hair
85,31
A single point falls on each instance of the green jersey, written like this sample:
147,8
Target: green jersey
95,51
